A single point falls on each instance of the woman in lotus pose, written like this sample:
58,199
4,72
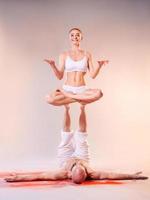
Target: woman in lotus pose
75,62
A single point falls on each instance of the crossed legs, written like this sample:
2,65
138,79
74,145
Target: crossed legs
60,97
57,98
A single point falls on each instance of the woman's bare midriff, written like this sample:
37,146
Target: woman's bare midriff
75,79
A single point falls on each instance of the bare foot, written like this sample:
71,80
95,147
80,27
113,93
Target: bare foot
82,102
82,106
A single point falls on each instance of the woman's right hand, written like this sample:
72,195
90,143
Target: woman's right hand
51,62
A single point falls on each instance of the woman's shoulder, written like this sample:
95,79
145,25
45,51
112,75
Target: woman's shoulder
63,54
88,54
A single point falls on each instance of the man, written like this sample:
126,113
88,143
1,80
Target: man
73,155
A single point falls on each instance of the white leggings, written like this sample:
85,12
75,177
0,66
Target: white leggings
73,145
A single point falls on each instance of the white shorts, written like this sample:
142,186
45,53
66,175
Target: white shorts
75,89
73,145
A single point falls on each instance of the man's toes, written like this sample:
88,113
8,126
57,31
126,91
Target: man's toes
82,105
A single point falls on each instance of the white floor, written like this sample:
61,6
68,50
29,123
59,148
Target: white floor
126,190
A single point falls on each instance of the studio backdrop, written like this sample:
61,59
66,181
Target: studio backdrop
118,124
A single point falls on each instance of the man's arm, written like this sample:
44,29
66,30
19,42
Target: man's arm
41,176
98,175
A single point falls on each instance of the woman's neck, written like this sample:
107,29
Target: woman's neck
75,48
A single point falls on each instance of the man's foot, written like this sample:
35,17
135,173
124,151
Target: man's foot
82,106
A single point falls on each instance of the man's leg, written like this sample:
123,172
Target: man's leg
82,119
67,120
65,148
80,137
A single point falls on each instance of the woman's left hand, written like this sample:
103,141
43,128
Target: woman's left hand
102,62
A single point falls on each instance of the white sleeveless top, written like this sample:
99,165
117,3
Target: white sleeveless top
72,65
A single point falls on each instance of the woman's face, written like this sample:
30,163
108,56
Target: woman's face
75,37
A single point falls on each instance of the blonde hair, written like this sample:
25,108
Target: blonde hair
75,28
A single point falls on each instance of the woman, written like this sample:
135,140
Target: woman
75,62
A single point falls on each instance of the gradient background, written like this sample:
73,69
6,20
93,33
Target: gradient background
118,124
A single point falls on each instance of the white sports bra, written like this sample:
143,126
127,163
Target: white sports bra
79,65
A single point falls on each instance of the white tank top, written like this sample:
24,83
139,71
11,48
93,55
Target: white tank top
72,65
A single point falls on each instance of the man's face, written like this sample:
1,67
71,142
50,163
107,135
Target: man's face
78,174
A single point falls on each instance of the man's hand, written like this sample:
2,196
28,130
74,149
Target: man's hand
11,178
138,175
